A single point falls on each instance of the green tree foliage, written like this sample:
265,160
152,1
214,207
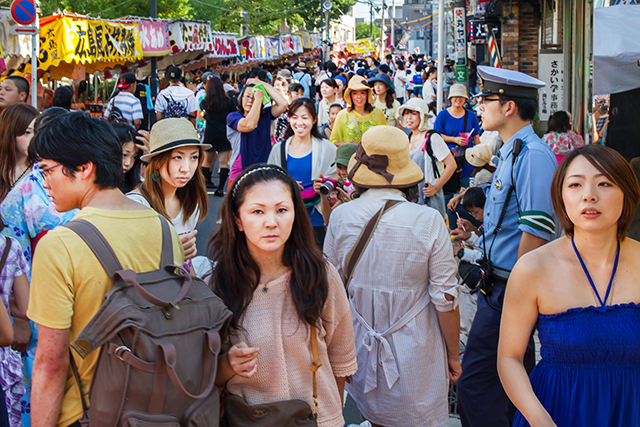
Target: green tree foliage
224,15
363,31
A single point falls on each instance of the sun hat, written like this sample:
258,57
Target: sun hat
284,73
168,134
344,153
382,160
358,83
459,90
302,66
173,74
126,80
415,104
478,155
381,77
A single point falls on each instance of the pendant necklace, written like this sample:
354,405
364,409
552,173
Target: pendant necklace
265,286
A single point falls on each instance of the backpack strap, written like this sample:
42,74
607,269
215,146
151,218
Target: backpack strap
97,243
363,240
429,150
5,253
167,244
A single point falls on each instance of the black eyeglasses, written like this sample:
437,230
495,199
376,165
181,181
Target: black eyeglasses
482,100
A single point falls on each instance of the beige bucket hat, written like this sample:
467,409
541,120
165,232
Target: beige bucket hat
458,90
168,134
478,155
382,160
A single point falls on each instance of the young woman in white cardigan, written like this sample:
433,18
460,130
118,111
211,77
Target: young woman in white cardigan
308,155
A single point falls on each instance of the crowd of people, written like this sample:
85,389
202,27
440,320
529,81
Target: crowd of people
456,234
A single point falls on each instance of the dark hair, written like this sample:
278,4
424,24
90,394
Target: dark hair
244,89
295,87
132,178
527,107
384,68
400,64
331,66
237,275
388,56
310,106
474,197
76,138
329,82
63,97
412,194
614,167
21,83
388,96
336,105
14,122
242,76
224,77
215,97
559,122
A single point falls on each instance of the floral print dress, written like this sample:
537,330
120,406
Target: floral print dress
28,213
562,143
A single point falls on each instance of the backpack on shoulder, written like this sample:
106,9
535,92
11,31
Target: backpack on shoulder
159,339
175,108
429,150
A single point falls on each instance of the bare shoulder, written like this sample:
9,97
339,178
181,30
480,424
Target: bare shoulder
539,265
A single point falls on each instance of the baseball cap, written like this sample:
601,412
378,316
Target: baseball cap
126,80
173,74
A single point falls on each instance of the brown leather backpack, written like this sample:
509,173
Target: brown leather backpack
159,339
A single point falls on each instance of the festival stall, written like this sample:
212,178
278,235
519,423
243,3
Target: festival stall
14,50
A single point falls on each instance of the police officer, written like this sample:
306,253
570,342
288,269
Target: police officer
518,217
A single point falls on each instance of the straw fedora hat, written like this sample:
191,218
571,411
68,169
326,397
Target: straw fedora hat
358,83
458,90
168,134
478,155
382,160
419,105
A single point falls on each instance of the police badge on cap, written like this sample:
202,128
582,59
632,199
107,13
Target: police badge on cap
511,83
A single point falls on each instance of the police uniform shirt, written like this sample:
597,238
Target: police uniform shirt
533,172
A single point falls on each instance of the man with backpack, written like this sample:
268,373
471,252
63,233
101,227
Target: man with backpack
176,100
125,105
91,289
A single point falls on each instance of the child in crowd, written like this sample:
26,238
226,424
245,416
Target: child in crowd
473,200
409,85
326,129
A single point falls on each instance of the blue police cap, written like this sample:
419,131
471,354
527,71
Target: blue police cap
511,83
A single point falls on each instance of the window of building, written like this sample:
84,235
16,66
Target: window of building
420,35
552,24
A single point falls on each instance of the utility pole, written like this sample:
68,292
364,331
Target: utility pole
393,29
153,81
382,48
441,45
371,19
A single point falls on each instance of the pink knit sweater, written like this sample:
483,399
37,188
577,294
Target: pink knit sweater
284,362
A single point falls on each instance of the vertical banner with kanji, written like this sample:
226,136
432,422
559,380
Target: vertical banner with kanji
551,97
460,40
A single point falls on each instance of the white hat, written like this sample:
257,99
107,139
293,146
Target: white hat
419,105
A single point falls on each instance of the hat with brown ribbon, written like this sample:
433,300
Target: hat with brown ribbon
382,160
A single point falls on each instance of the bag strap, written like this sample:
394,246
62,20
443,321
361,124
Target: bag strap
466,117
364,238
355,120
314,366
283,154
103,250
5,253
429,150
76,375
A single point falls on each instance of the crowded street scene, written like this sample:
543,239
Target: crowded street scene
338,213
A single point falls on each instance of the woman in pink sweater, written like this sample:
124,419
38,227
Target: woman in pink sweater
276,282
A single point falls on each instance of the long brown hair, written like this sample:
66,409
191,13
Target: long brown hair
192,196
14,122
237,275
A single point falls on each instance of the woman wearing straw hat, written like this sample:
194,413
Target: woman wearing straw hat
429,151
360,114
403,289
173,182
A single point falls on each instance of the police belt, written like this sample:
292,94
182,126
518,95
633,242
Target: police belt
499,276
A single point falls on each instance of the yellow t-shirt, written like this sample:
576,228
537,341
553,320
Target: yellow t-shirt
69,284
344,127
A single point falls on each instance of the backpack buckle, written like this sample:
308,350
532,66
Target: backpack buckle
120,350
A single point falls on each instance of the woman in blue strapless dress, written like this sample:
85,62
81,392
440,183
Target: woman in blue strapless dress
581,292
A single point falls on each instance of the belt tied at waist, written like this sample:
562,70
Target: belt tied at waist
379,348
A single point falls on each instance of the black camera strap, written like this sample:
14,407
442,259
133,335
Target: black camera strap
283,155
517,148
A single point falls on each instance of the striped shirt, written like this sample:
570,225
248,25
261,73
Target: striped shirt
128,104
